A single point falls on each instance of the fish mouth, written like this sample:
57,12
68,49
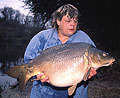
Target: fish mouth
109,63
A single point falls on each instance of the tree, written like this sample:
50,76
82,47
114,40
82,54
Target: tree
16,30
7,13
91,8
44,8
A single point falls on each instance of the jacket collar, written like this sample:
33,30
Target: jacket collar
55,36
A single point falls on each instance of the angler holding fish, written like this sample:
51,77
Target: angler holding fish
64,55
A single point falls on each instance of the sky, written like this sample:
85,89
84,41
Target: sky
15,4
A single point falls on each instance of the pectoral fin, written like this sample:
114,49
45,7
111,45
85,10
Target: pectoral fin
87,74
71,89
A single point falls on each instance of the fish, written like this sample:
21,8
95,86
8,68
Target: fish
65,65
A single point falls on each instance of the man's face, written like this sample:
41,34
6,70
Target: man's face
67,26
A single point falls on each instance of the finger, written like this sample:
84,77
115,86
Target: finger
39,75
93,72
48,81
45,79
89,76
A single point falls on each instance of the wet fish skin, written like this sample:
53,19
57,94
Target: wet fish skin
65,65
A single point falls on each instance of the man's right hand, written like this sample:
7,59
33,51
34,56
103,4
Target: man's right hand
42,78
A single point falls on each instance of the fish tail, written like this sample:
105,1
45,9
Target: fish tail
19,72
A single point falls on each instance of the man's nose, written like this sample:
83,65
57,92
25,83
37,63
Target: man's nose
72,23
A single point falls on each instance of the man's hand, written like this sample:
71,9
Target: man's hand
42,78
92,73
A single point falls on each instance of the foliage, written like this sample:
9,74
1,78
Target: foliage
16,30
44,8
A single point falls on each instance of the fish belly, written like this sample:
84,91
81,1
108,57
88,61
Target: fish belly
65,79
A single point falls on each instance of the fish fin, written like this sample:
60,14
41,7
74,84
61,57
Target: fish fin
21,73
14,71
87,74
71,89
23,79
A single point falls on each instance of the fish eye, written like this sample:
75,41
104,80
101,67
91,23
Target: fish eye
105,54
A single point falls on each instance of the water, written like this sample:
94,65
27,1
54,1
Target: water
9,64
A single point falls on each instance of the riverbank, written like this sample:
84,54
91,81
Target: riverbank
97,89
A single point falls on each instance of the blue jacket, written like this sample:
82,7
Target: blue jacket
46,39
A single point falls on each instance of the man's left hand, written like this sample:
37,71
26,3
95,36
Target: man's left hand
92,73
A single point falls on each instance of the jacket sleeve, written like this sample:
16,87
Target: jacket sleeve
34,47
86,38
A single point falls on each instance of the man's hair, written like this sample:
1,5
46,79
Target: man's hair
66,9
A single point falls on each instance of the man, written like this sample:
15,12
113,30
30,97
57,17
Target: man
64,23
